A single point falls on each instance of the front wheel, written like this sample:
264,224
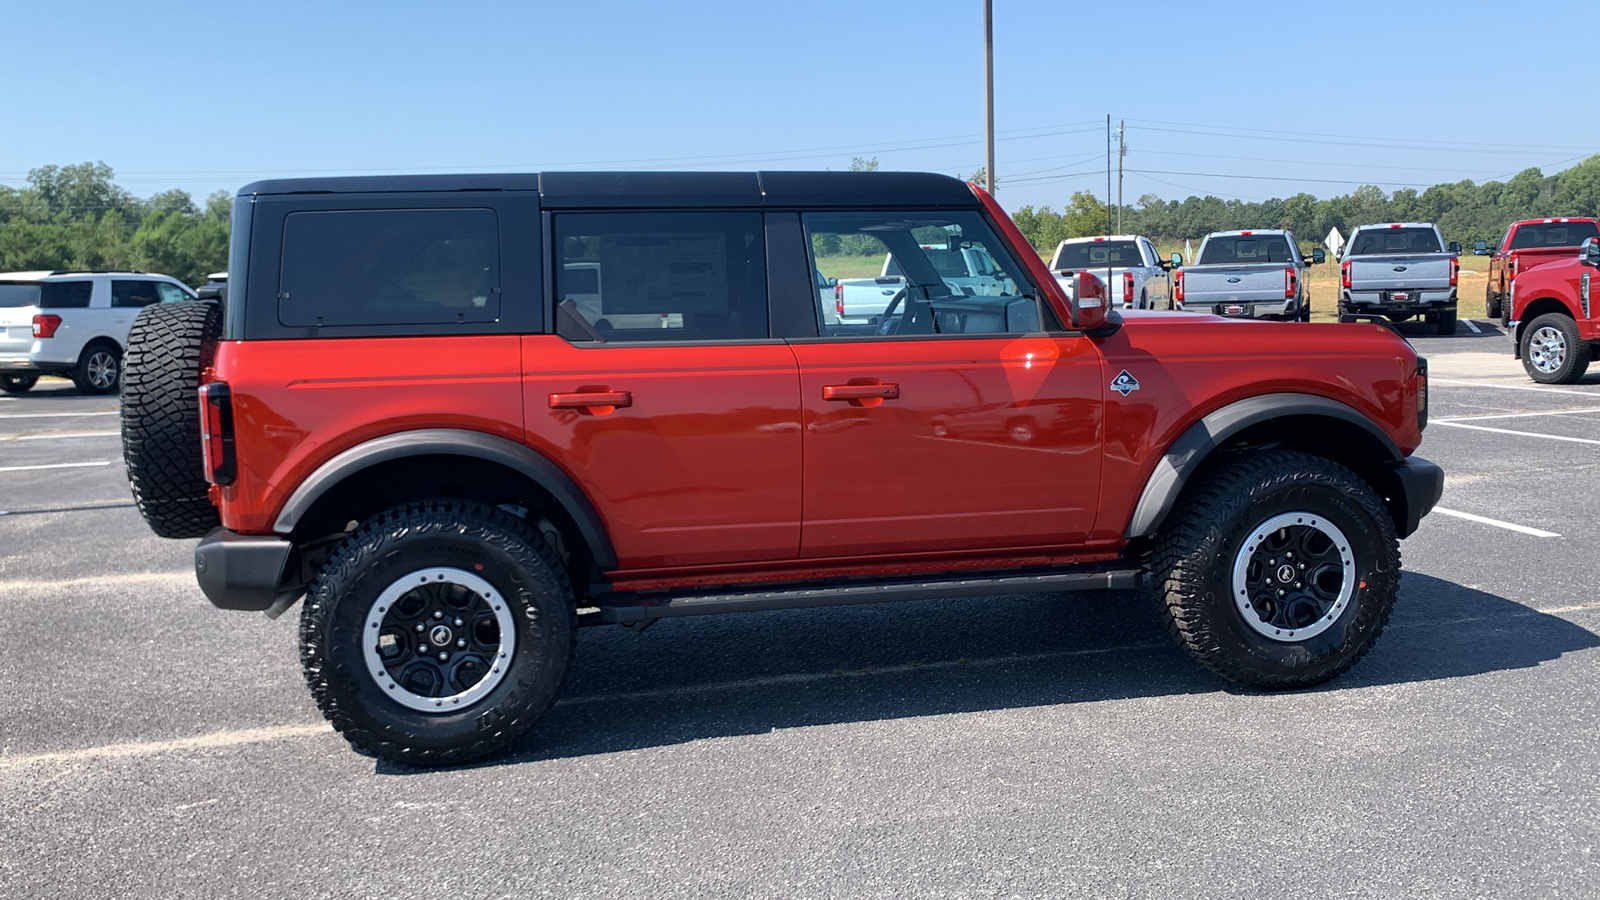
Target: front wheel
1279,569
1552,353
18,384
438,632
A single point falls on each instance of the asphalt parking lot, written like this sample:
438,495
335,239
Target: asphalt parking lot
1044,746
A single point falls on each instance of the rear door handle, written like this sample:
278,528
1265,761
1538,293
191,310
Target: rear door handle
597,402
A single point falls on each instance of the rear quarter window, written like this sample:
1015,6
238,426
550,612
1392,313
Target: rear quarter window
65,294
389,267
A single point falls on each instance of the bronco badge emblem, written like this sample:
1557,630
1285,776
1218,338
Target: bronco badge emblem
1124,383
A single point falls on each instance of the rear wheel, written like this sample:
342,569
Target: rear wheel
1551,350
99,369
18,384
438,633
1446,322
1491,303
1279,569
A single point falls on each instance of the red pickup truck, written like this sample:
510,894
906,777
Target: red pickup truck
1549,319
1526,244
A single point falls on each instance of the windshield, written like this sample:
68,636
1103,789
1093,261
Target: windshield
13,295
1098,254
1395,240
1246,248
1553,234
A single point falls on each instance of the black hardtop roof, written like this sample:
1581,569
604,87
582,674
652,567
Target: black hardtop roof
622,190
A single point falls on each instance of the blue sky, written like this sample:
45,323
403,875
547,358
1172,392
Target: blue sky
1297,96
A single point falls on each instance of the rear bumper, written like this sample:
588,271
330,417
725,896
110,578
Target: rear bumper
1245,309
240,571
1416,301
1415,488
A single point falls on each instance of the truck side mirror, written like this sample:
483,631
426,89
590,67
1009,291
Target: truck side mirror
1590,253
1455,247
1177,260
1480,248
1318,256
1090,301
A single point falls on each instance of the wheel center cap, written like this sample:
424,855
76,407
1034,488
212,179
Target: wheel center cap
440,635
1286,574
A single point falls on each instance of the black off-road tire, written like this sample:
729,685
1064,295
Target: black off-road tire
1196,555
99,369
1446,322
384,554
169,345
18,384
1552,352
1491,303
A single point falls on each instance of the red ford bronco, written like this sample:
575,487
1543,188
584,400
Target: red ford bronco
462,416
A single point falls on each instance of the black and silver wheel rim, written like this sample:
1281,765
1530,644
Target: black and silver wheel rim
1293,577
102,369
439,639
1547,349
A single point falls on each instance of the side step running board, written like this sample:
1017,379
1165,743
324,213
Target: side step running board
648,608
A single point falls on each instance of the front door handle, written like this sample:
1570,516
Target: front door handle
595,402
861,394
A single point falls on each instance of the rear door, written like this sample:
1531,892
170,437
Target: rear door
662,392
128,296
961,424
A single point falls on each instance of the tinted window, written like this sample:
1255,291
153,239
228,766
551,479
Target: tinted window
12,295
1099,254
134,293
390,267
65,294
1553,234
683,276
1246,248
1395,240
956,277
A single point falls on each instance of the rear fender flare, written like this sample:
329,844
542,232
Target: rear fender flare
1198,441
454,442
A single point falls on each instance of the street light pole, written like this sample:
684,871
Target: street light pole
988,94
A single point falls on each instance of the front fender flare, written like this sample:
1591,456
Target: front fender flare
1191,448
454,442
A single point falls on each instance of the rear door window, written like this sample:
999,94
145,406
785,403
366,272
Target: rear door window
134,293
389,267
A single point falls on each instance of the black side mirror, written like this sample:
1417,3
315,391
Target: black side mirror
1177,260
1590,253
1318,256
1480,248
1455,247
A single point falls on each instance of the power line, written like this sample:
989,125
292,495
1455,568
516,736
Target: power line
1425,141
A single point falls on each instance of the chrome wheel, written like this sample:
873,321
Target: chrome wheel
1293,577
1547,349
438,639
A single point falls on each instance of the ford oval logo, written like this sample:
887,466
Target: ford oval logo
1399,268
1233,280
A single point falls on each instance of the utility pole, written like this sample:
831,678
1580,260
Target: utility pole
1122,150
988,94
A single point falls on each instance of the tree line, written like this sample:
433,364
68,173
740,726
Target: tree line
1464,211
77,217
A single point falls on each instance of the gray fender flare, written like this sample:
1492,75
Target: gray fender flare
454,442
1198,440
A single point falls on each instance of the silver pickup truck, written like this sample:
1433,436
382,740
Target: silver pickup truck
1400,270
1257,274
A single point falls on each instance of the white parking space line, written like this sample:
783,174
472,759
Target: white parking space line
1454,382
146,748
84,434
109,412
1509,526
82,465
1533,434
1527,415
1473,326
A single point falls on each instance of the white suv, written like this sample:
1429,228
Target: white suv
73,324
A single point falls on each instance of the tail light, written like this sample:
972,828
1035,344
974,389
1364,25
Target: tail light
1422,393
1288,282
1344,273
1513,271
1455,272
216,432
1127,288
45,325
1177,285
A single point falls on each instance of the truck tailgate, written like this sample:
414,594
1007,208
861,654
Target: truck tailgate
1212,284
1400,272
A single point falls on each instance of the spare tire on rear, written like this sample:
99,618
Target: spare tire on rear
168,348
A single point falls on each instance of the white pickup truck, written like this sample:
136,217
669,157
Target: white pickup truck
1127,263
968,270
